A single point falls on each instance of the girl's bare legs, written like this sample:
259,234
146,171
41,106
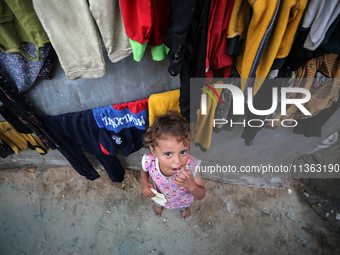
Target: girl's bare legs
186,213
158,210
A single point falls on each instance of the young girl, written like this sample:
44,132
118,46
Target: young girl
170,166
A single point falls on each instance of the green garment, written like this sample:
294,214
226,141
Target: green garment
19,23
158,52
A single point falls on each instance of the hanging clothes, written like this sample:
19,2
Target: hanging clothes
75,131
24,72
14,120
316,76
131,118
248,34
313,126
161,103
102,132
204,124
19,23
222,110
195,66
145,22
72,29
20,107
299,55
5,149
260,34
186,37
319,17
175,38
20,142
217,60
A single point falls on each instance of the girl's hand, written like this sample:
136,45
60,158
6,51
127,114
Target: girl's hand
146,189
185,179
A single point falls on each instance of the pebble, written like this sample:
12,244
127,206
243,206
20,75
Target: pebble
337,216
31,169
230,207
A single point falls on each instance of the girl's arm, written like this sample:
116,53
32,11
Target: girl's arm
198,192
146,184
194,185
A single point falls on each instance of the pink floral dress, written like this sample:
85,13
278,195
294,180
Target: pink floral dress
176,195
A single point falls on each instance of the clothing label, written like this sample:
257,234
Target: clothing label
115,120
117,139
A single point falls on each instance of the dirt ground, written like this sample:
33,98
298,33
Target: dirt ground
56,211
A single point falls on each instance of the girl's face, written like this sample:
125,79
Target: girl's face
172,155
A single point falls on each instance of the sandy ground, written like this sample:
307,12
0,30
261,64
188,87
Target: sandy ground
56,211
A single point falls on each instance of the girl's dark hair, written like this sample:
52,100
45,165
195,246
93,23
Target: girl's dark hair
170,124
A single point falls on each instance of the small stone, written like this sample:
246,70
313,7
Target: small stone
229,207
31,169
337,216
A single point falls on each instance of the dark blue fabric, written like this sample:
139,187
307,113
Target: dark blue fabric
24,72
5,149
79,130
128,140
126,124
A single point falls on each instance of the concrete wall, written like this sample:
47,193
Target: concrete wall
125,81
